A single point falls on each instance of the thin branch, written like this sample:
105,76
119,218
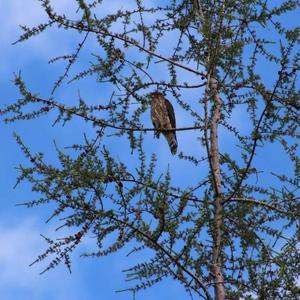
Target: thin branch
167,253
123,38
260,203
256,136
71,62
104,123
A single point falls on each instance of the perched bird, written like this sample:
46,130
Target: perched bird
163,117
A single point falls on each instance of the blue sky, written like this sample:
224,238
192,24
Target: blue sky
20,228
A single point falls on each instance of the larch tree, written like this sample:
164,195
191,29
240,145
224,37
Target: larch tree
228,230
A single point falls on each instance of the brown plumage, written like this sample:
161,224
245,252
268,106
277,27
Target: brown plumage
163,117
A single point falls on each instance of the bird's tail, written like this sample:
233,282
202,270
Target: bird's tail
172,141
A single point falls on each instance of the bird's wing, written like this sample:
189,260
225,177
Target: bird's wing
171,113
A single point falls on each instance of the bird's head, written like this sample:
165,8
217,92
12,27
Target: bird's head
156,95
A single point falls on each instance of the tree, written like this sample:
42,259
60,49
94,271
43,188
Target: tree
233,233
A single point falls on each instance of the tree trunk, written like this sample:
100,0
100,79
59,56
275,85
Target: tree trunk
215,165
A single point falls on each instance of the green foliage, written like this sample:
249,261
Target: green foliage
225,49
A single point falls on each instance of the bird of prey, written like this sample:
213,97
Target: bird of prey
163,117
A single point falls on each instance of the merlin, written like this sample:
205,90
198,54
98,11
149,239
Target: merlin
163,117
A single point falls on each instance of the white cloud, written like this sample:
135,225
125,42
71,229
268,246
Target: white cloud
30,13
20,244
